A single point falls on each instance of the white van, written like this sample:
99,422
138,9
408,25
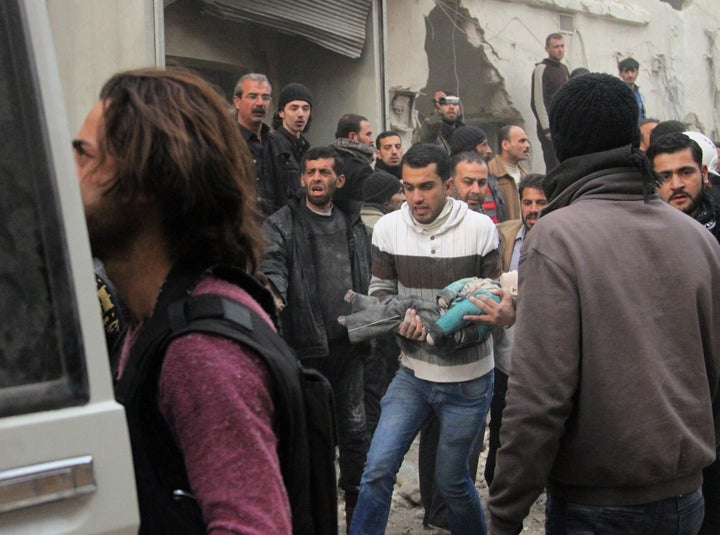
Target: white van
65,460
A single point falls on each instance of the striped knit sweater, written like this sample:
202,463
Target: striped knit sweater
413,259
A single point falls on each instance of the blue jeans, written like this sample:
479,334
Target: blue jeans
409,401
680,515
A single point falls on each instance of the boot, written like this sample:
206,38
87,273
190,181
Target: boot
351,498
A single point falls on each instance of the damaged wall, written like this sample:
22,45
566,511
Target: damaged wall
486,51
453,43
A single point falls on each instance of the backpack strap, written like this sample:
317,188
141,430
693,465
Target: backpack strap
162,482
222,316
153,337
158,462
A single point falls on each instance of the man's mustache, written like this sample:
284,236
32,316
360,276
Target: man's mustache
259,109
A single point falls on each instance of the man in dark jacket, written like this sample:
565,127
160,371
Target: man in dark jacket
472,138
287,145
612,404
684,179
251,99
388,153
317,249
549,76
354,142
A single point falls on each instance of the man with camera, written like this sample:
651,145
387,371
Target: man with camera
439,128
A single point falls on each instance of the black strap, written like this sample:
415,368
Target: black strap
222,316
182,278
156,329
176,313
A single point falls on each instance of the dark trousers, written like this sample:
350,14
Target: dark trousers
497,406
711,493
380,367
344,369
551,161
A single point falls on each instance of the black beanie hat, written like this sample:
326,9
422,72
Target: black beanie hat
593,113
466,138
379,187
294,91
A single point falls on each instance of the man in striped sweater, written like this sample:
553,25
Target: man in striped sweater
431,241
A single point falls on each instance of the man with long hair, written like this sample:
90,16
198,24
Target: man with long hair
167,188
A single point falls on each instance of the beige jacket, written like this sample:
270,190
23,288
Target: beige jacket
507,230
508,187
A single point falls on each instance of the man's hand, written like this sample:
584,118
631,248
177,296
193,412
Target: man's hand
411,326
498,314
548,136
279,301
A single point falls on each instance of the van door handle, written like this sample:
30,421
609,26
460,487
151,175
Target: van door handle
46,482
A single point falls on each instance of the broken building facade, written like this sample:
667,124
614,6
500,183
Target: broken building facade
385,58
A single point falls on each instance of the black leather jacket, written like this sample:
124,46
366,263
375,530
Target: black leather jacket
289,266
283,157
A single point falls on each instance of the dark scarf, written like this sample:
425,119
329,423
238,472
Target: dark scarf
708,213
571,178
394,170
447,128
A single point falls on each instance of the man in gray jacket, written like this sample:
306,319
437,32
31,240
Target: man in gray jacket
612,404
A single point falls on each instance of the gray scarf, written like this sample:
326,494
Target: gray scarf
355,149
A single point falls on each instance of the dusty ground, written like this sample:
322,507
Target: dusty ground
406,514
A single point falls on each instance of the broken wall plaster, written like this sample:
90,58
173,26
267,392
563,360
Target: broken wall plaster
678,4
457,60
618,10
713,67
677,75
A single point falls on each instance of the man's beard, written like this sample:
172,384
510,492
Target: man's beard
112,226
530,220
695,203
326,197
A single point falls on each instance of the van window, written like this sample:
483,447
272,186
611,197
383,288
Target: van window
41,354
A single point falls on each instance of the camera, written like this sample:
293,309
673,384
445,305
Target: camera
449,100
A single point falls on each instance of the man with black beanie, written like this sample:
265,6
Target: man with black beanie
612,404
287,145
382,194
